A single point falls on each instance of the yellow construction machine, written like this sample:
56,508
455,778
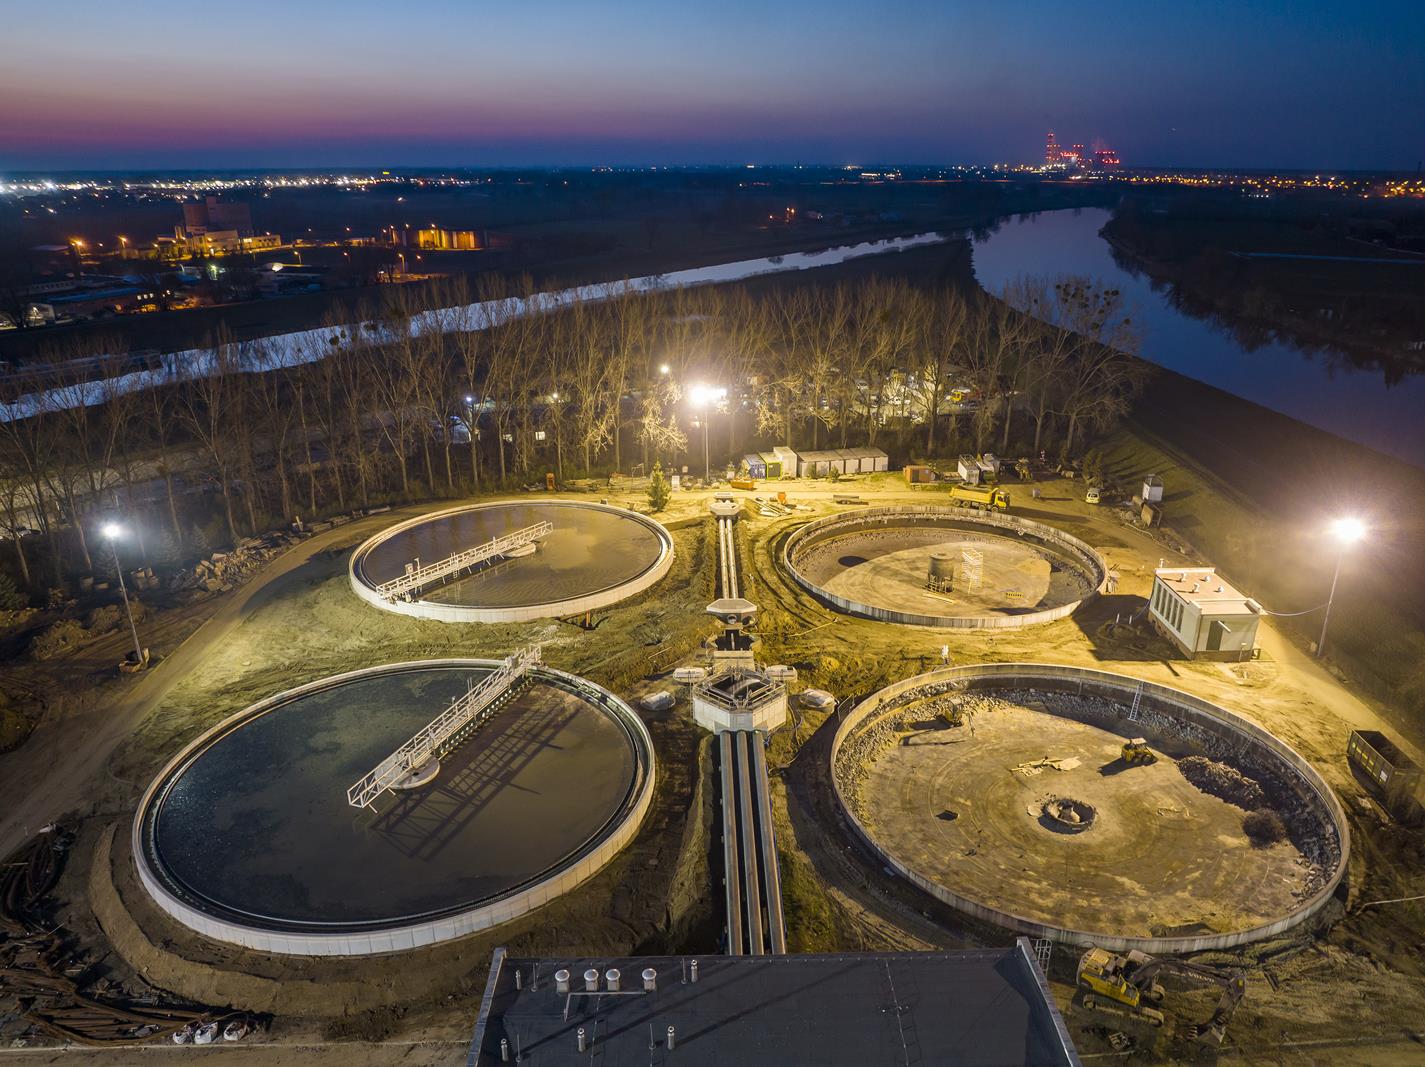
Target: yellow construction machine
1136,751
1128,986
980,497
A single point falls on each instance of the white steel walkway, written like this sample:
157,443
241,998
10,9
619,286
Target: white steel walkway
470,709
416,579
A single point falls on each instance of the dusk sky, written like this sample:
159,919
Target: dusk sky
89,84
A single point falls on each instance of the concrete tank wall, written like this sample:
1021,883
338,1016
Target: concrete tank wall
1086,556
1194,712
397,939
425,609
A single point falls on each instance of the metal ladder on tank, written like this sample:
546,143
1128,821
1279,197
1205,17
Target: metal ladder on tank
1137,703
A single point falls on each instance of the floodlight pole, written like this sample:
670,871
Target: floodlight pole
128,611
1321,644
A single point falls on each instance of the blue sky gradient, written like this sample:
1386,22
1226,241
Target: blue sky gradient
460,82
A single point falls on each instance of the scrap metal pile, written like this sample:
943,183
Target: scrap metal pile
41,972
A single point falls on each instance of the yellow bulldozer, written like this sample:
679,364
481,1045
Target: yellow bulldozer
1136,751
1128,986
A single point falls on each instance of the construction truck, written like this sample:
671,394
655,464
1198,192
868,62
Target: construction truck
1136,751
980,497
1128,986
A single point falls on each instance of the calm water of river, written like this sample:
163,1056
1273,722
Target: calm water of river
1324,390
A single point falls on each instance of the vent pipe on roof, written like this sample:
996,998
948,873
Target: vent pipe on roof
504,1050
693,971
650,979
583,1041
1194,588
1219,588
672,1038
591,980
561,981
611,976
519,978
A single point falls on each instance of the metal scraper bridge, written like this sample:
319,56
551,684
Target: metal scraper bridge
418,578
447,729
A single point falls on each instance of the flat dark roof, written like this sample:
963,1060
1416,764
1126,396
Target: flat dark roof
986,1008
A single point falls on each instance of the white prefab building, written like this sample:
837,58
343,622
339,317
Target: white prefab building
788,459
1204,616
842,461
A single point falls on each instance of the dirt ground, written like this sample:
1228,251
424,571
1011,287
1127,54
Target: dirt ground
1350,989
1354,977
889,570
298,621
964,808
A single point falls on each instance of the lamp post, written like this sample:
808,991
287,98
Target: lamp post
112,532
1347,531
702,397
472,424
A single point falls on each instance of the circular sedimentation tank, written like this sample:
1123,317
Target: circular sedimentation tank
595,555
247,835
1027,815
927,565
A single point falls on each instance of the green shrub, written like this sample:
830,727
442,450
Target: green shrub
659,491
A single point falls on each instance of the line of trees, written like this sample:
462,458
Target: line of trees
482,398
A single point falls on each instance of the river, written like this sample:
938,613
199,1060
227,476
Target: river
1323,389
305,346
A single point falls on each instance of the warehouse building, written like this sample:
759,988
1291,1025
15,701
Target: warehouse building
970,1008
1204,616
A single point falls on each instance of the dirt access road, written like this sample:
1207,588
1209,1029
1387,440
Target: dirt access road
50,773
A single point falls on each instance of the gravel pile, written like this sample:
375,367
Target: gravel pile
1224,782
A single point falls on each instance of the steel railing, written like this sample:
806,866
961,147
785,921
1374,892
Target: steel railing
432,737
420,577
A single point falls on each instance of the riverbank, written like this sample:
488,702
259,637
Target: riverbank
1254,492
1370,405
1258,297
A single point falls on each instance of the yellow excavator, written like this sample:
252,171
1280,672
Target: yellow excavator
1127,985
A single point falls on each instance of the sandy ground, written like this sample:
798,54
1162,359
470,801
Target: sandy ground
1334,982
1317,998
1160,854
1012,578
31,794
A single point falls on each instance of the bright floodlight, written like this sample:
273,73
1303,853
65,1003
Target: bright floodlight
1348,530
664,369
700,395
470,400
111,530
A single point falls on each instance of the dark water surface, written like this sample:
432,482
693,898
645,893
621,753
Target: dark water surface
259,825
589,551
1323,389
